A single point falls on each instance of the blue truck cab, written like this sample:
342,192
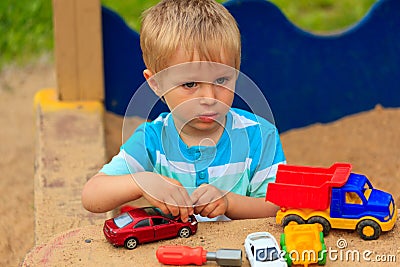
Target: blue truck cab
357,199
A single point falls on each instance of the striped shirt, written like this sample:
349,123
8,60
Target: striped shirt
244,160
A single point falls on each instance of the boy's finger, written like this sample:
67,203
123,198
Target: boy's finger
197,195
206,198
218,210
199,209
162,206
184,204
207,210
185,198
184,214
166,210
176,197
172,209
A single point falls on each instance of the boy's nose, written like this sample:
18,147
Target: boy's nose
207,94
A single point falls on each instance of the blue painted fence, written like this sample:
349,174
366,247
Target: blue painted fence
305,78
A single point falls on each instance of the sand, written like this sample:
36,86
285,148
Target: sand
369,140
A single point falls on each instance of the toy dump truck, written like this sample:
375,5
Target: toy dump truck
332,197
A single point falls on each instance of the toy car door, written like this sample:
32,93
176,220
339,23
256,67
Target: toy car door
143,231
164,228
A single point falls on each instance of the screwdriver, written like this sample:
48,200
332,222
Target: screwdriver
184,255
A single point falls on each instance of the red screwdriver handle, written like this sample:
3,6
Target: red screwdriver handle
181,255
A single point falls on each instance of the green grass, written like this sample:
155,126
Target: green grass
25,30
26,25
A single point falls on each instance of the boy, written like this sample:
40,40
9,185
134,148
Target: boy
203,157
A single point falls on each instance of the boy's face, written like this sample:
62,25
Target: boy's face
198,93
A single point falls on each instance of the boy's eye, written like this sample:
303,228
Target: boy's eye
221,80
190,84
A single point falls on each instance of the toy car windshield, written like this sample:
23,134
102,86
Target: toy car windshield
123,220
258,237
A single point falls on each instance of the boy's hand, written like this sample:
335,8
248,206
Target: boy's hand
209,201
166,194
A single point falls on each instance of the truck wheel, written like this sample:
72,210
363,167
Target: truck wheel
324,223
368,230
292,219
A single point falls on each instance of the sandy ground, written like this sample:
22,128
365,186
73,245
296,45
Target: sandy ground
17,88
369,140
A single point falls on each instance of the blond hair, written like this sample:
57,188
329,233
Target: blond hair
204,26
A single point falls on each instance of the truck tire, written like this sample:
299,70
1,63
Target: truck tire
369,230
292,219
325,225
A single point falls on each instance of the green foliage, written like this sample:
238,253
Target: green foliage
324,16
26,26
25,30
130,10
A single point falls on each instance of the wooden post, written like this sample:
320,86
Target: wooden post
78,50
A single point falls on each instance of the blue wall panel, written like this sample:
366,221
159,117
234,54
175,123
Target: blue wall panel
305,78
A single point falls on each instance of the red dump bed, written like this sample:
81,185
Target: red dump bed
306,187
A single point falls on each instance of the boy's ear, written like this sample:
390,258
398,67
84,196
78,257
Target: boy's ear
148,75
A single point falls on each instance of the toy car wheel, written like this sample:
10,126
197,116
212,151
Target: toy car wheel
131,243
292,219
184,232
325,225
369,230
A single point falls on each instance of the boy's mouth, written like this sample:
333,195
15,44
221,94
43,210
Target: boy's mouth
208,117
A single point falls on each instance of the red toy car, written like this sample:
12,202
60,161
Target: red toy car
142,225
